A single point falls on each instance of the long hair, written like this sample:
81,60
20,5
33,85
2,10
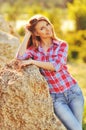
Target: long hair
34,40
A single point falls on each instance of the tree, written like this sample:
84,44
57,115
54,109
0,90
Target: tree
77,11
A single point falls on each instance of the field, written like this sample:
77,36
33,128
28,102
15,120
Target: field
78,70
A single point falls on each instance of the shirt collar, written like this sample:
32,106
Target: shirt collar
55,42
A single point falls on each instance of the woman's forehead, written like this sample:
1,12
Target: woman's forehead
41,23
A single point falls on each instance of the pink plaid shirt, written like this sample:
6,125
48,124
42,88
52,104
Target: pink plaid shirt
59,80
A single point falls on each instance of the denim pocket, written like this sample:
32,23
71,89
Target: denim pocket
76,93
76,90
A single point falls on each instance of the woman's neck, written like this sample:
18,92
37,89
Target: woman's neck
46,42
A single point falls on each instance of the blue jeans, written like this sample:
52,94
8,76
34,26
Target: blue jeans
68,107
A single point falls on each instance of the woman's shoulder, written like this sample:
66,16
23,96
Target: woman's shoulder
60,42
32,50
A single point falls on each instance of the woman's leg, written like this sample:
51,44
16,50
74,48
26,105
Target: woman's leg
68,108
64,113
76,102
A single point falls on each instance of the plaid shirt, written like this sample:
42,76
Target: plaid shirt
59,80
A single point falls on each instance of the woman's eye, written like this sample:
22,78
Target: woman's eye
47,24
41,28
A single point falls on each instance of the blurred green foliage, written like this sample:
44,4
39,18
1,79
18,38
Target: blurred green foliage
57,11
84,118
77,11
77,45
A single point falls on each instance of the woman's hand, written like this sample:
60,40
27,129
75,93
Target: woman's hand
23,63
28,33
26,29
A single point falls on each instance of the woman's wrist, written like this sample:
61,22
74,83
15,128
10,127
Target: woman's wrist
30,61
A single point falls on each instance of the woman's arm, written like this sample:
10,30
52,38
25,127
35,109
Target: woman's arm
40,64
23,46
54,65
44,65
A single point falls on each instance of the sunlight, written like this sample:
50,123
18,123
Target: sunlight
20,23
68,25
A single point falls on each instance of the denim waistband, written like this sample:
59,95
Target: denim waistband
68,89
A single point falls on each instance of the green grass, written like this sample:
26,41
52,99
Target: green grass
78,71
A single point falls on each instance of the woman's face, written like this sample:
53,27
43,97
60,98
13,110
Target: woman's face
43,29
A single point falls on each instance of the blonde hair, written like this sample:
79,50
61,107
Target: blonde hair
34,40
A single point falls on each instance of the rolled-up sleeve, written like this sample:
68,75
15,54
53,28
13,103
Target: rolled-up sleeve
25,56
61,58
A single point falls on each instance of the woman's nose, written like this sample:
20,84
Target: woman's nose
47,28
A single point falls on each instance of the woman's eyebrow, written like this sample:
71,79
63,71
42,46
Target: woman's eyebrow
43,26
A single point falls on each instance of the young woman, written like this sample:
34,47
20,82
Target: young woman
42,48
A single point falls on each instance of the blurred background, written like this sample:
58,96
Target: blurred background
69,20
